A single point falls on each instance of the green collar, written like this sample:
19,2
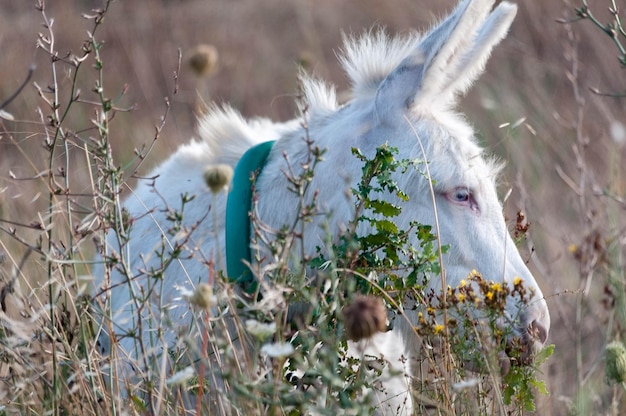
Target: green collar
238,225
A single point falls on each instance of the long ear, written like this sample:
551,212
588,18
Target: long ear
447,60
471,63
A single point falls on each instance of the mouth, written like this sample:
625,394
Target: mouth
522,349
518,348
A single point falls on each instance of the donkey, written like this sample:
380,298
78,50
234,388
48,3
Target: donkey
404,91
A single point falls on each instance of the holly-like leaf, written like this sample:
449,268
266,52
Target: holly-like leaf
383,207
544,354
386,226
541,387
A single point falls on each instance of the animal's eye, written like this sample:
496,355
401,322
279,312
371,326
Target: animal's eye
460,195
464,197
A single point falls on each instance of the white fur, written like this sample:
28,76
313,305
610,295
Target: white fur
403,92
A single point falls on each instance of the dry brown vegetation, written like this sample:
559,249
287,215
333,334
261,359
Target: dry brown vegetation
564,162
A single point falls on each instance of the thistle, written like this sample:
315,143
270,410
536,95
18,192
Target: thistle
202,297
204,60
364,317
217,177
615,362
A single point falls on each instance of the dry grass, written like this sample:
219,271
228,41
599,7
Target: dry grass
564,167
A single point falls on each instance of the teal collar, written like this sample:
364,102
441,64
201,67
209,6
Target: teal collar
238,223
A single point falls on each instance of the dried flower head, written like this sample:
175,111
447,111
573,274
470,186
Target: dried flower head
217,177
615,362
202,297
277,349
181,377
204,60
260,330
364,317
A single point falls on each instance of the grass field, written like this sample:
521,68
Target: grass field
548,104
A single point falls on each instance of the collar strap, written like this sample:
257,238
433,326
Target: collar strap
238,223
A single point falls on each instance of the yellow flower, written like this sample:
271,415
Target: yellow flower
517,281
496,287
463,283
489,295
460,297
438,328
474,273
420,318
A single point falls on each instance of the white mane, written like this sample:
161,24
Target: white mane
225,134
369,58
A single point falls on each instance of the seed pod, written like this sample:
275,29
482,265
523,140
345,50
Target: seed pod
204,60
364,317
217,177
615,362
202,297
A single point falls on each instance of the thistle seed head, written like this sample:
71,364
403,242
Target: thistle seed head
203,60
202,297
217,177
615,362
364,317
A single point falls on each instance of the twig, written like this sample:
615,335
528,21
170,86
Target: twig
31,70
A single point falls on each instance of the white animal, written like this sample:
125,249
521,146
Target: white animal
404,91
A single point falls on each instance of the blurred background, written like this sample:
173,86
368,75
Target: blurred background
548,104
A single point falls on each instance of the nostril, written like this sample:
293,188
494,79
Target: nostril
538,331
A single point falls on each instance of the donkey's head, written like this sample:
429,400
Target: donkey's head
412,108
404,94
